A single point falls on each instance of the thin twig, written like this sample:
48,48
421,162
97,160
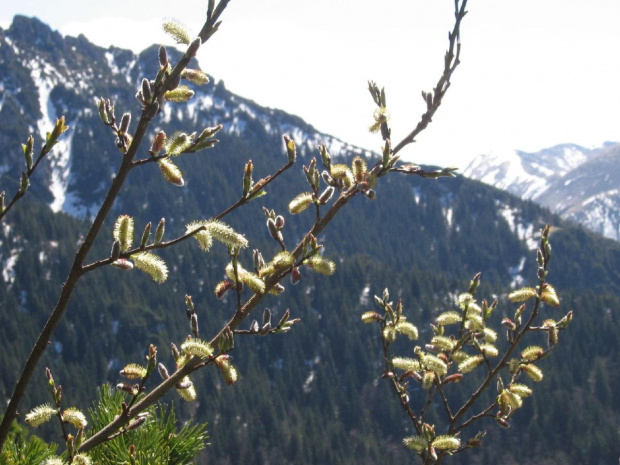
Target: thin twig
451,61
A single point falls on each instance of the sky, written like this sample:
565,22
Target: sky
533,73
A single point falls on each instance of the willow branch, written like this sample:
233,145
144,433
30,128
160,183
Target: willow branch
164,245
77,271
239,316
451,61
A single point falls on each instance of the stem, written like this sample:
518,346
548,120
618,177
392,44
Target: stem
451,61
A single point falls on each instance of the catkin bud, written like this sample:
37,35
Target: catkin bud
274,231
163,371
279,221
291,149
295,276
326,195
163,57
151,111
146,91
193,47
116,250
222,287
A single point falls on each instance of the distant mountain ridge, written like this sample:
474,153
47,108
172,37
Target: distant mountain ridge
46,75
580,184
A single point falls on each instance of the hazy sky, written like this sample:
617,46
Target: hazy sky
534,73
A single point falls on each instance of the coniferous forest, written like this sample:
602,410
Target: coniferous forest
315,394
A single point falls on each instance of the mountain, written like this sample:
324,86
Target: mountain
46,76
314,395
579,184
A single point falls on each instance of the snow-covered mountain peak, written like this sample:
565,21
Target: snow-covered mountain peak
579,183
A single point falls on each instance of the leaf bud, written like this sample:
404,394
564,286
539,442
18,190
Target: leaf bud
109,109
259,261
247,178
325,157
266,316
226,342
124,126
328,178
116,250
547,252
48,375
102,111
254,326
291,149
175,351
145,235
564,322
274,231
2,205
24,183
28,148
159,232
